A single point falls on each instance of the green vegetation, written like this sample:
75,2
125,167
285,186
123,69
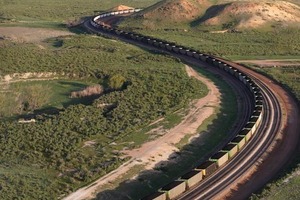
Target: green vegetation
214,130
26,96
54,13
61,152
289,76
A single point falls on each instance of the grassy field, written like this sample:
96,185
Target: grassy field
55,13
51,155
56,95
50,158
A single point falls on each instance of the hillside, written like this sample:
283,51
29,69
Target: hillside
252,14
168,12
175,10
223,14
119,7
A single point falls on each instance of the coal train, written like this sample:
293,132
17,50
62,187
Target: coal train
220,158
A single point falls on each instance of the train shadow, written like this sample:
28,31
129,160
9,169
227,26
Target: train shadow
200,148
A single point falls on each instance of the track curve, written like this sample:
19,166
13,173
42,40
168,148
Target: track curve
271,126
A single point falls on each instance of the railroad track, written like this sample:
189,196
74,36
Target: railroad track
212,186
267,128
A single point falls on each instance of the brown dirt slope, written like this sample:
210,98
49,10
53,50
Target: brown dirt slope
120,7
175,10
253,14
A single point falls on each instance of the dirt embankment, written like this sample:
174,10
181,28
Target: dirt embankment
160,149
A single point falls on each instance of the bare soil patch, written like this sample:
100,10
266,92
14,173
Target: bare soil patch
272,63
160,149
176,10
253,14
30,35
120,7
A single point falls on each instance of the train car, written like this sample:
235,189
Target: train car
150,41
174,189
220,158
255,119
156,43
258,115
240,141
209,60
156,196
196,55
258,97
222,65
175,49
182,51
242,77
131,10
215,62
231,149
246,133
134,36
259,103
189,53
192,178
207,168
251,126
168,47
203,57
231,70
162,45
142,39
226,68
119,32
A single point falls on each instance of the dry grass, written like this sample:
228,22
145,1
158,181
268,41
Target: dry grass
88,91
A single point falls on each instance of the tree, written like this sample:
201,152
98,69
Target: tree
116,81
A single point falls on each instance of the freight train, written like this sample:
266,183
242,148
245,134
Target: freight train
220,158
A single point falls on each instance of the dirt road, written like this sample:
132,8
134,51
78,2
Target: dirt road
272,63
153,152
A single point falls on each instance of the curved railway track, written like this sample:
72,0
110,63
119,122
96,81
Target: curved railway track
252,154
211,187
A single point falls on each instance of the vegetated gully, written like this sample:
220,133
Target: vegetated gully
235,172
